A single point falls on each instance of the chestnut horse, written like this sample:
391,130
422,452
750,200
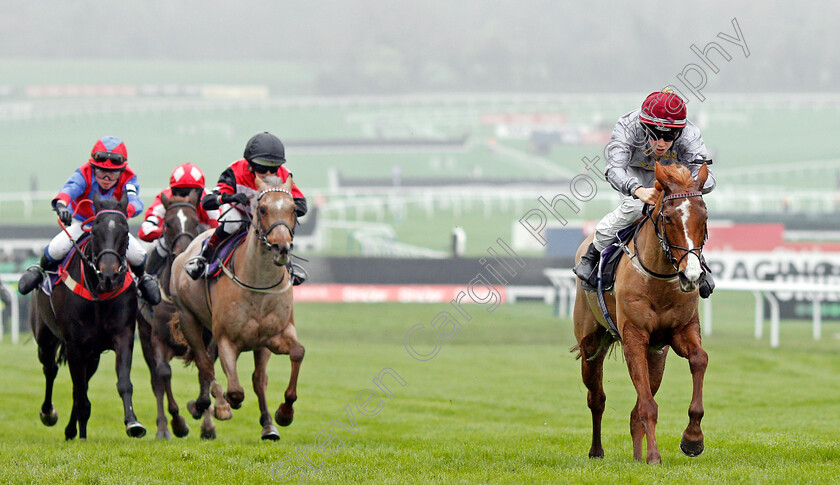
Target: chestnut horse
68,324
159,342
655,306
249,308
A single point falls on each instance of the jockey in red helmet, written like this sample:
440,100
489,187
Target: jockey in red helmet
108,173
657,132
264,156
185,179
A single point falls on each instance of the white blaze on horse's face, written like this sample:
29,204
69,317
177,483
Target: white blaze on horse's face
183,218
692,264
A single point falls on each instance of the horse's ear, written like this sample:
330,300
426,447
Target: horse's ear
658,186
124,203
193,198
164,199
702,175
259,183
287,185
661,177
96,201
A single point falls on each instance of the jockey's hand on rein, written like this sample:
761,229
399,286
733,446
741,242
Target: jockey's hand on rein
648,195
210,201
238,198
64,214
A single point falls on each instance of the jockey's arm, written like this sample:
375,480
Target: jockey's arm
694,153
132,190
71,190
150,229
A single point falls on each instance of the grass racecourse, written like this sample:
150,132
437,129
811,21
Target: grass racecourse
501,402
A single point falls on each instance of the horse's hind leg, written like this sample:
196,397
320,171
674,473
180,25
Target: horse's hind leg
644,415
179,425
194,333
47,348
592,371
123,344
686,343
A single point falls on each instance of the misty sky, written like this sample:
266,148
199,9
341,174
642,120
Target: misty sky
437,45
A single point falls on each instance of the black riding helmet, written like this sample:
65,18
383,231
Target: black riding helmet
266,150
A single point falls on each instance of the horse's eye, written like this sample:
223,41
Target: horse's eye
262,210
666,219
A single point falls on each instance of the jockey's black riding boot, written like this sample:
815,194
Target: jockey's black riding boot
299,275
34,275
195,266
148,286
707,283
587,268
154,262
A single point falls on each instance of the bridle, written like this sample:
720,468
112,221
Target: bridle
94,262
663,237
262,236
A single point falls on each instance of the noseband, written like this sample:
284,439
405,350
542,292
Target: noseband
263,235
663,237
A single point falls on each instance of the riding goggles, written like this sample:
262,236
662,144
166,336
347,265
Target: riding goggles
261,169
105,158
656,132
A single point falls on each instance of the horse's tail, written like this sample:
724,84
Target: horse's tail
607,344
178,338
61,354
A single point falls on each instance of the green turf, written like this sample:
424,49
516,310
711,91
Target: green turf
502,402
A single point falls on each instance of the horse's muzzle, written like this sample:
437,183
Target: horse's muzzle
687,285
281,252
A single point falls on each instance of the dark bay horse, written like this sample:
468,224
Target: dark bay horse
159,342
249,308
655,305
68,325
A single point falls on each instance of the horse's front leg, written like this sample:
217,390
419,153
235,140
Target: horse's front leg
260,381
194,334
228,354
123,347
150,355
686,343
644,415
81,405
287,343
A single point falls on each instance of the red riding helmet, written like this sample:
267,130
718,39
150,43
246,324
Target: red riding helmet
663,109
187,175
109,153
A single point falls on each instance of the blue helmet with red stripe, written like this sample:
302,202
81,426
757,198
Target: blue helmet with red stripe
109,153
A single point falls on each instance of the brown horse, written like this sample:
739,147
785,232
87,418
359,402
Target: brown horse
159,342
249,308
655,306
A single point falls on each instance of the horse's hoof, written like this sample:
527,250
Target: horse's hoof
180,427
691,448
135,430
69,433
193,410
50,418
654,459
284,415
223,412
208,434
596,453
270,433
234,398
163,435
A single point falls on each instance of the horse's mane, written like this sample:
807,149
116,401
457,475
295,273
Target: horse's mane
679,175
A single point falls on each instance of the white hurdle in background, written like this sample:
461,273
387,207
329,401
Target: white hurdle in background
564,282
15,320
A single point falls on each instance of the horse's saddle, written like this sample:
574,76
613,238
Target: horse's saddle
610,258
223,253
62,274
